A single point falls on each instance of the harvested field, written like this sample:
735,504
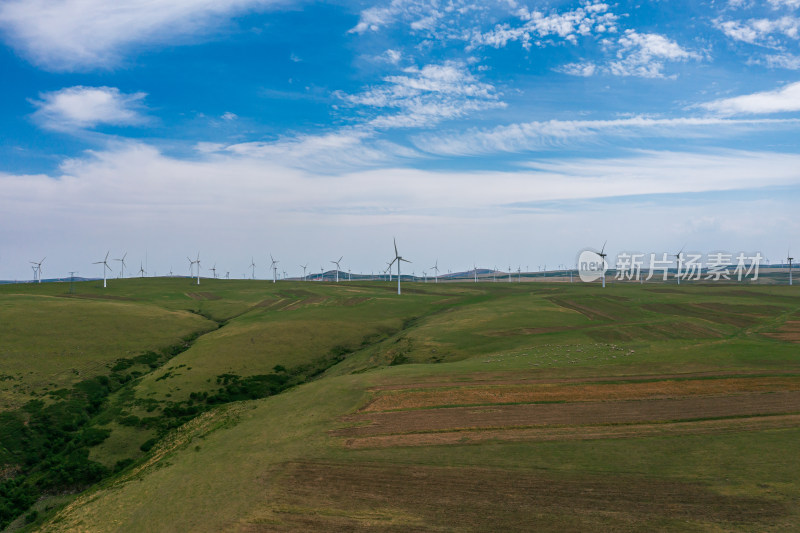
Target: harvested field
544,434
740,316
655,331
570,414
496,378
565,392
789,332
343,497
202,296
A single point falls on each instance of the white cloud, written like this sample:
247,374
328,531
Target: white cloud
764,32
584,69
329,153
792,4
590,19
229,116
423,97
787,61
644,54
80,34
785,99
86,107
529,136
637,54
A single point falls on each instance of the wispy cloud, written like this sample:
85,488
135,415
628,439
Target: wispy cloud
81,34
637,54
763,31
79,107
545,135
423,97
785,99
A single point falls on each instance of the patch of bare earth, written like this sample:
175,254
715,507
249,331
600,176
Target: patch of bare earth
563,392
570,414
543,434
789,332
202,296
312,496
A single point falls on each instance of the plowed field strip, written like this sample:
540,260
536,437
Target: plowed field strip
486,395
360,497
577,432
495,379
570,414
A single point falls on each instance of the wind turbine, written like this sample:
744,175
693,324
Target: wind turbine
337,268
435,268
253,266
274,268
788,258
141,270
509,273
321,273
519,274
603,255
214,270
679,258
192,263
38,268
228,274
122,270
304,270
475,271
104,262
399,259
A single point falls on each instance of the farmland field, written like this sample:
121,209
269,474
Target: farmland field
456,406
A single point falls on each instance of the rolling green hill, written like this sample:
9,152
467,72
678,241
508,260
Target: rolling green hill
253,406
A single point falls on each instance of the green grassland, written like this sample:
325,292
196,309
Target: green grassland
228,405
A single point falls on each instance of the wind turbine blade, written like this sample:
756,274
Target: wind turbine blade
106,259
603,249
395,246
406,260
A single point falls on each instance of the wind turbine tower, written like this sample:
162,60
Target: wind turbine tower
790,259
337,268
38,269
253,267
274,267
122,268
435,268
304,267
679,258
399,259
104,262
603,255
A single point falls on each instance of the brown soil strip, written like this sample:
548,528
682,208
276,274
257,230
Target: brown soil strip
789,332
570,414
575,393
492,379
588,312
577,433
202,296
367,497
97,297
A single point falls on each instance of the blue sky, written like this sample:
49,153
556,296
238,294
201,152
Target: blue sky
494,133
